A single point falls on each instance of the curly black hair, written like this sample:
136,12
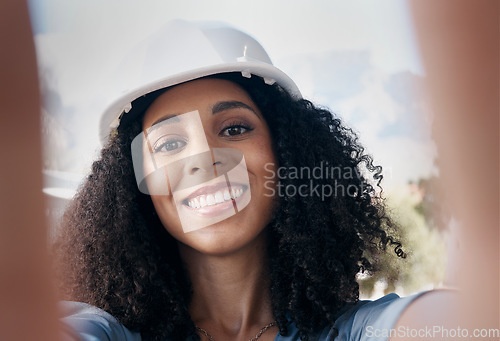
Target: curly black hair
114,253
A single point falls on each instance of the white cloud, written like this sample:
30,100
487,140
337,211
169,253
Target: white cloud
387,110
374,103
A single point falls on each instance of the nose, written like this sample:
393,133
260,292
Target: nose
206,161
205,166
197,169
214,162
198,164
191,171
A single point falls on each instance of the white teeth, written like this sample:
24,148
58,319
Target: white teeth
236,193
219,198
227,196
203,202
210,200
216,198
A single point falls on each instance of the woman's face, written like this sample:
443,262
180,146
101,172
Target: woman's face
209,146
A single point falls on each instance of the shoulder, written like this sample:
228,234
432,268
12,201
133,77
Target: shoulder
84,322
372,320
363,320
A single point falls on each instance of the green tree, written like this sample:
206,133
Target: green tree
425,246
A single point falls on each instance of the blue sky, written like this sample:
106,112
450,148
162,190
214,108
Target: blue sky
359,58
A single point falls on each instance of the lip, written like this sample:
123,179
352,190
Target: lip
209,189
216,208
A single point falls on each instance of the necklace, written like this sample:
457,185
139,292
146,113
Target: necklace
259,334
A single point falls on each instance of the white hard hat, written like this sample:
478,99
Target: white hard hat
181,51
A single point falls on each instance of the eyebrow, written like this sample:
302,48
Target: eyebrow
226,105
170,118
218,107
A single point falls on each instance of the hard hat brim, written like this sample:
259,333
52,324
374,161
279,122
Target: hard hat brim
271,74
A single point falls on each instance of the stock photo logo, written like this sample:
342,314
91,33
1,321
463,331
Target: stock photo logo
173,159
323,180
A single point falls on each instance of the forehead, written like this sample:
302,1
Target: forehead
200,94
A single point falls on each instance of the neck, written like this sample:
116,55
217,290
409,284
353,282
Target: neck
231,291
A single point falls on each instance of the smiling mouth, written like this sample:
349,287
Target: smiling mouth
214,196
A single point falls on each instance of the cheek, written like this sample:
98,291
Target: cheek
261,163
166,211
265,159
261,152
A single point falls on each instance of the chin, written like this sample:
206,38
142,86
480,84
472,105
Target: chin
224,238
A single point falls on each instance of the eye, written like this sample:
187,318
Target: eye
235,130
169,145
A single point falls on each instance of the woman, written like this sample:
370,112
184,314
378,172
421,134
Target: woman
223,207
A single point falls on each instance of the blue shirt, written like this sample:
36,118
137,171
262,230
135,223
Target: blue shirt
363,321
